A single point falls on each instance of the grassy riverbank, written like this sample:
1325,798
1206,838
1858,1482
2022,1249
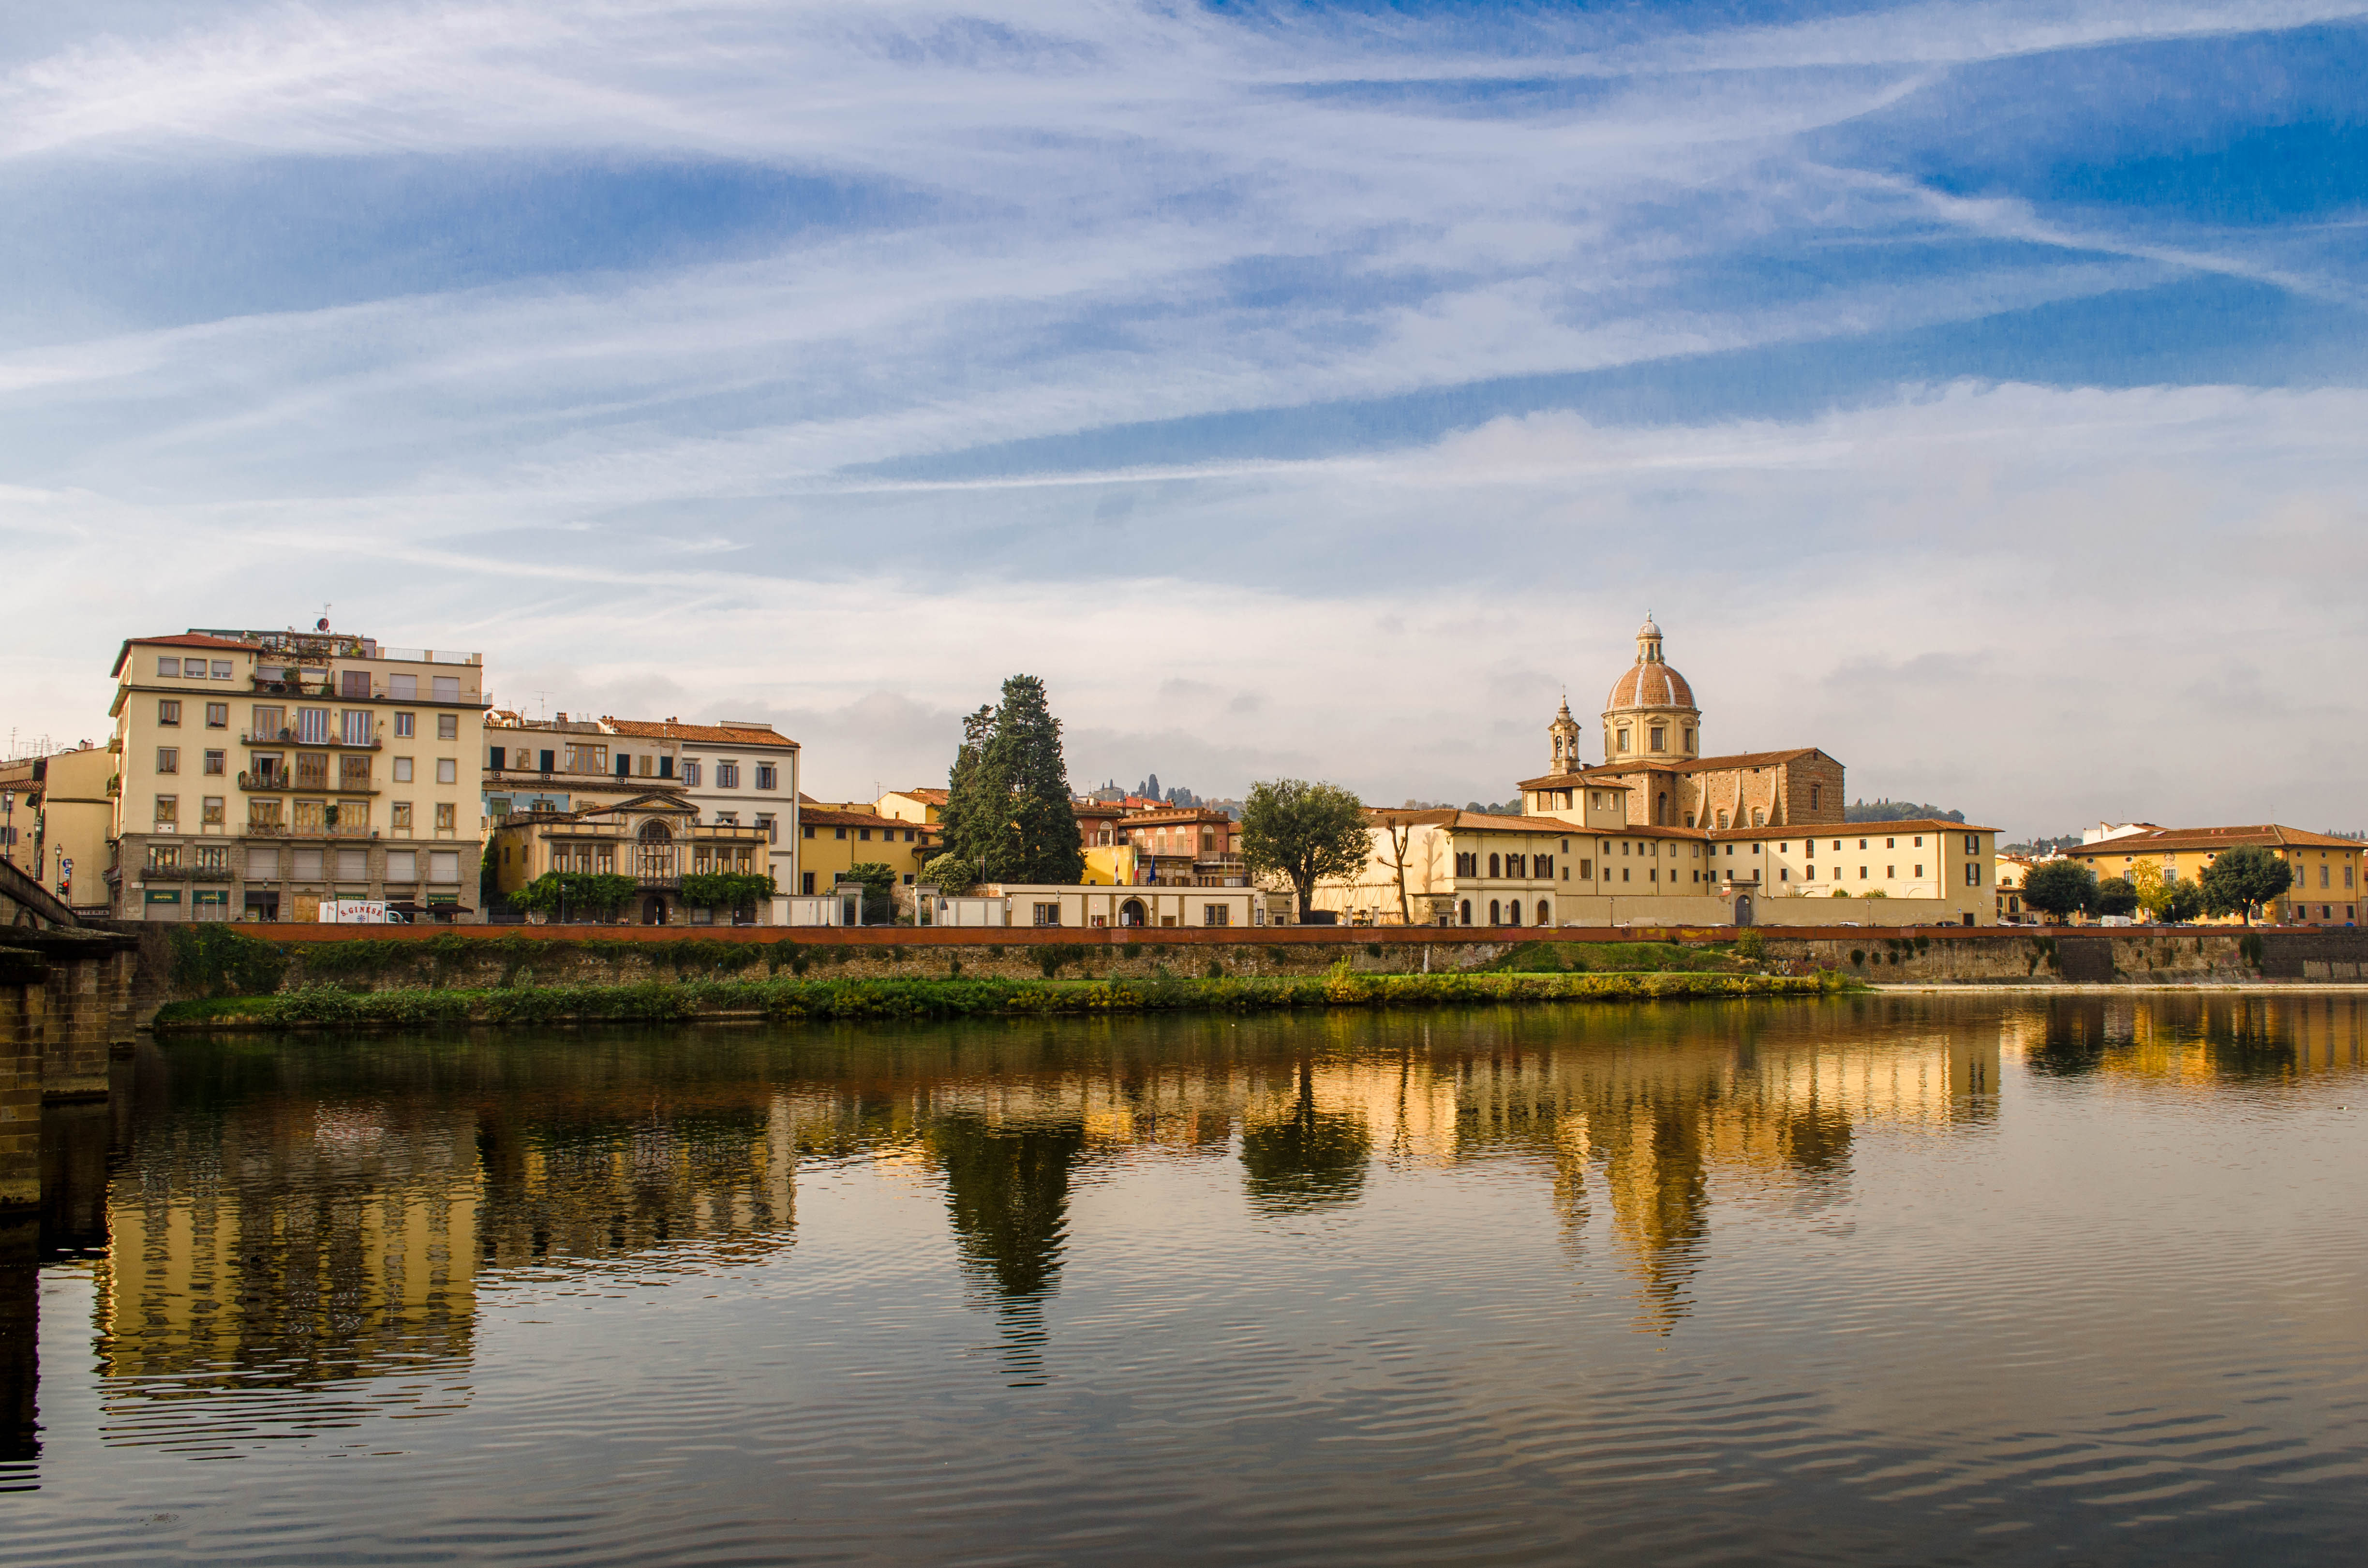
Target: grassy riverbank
722,1000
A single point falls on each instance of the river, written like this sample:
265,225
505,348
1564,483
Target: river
1870,1279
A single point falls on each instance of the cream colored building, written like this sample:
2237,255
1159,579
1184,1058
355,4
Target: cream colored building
657,839
2327,869
1669,838
64,821
1093,907
259,772
734,772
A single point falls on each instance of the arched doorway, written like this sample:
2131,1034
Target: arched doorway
1513,913
1131,912
1743,909
1496,912
1466,912
1545,914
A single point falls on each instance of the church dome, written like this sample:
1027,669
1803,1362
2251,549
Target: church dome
1648,628
1650,684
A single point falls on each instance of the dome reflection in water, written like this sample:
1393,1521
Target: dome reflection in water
1857,1279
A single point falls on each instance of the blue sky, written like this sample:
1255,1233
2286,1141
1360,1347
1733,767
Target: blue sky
1972,391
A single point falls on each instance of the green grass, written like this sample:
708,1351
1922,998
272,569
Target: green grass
659,1001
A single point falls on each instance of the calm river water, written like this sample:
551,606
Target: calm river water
1882,1279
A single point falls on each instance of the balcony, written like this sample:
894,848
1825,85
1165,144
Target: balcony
161,873
288,738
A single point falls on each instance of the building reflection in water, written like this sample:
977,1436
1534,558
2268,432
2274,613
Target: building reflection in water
291,1237
290,1254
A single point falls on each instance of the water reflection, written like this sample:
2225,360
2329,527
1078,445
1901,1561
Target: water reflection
292,1236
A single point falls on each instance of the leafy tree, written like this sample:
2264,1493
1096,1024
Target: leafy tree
2115,895
1008,809
598,895
1305,834
2241,879
727,890
949,874
2182,899
879,880
2060,888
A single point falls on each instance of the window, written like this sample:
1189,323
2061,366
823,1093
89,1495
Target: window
1545,914
838,833
402,688
1467,863
809,830
403,770
1919,868
1659,738
312,726
1973,873
1972,843
217,715
1861,874
399,818
1048,914
403,864
805,883
169,760
1891,844
1546,867
304,865
1891,871
405,725
169,813
1217,914
169,667
1623,873
1809,873
353,865
1759,817
448,770
263,864
1785,874
270,724
448,726
222,669
218,763
443,865
690,776
1919,841
210,812
262,814
353,683
1586,870
727,776
1492,871
767,776
1624,747
445,815
1814,793
169,711
1496,912
354,726
446,689
864,833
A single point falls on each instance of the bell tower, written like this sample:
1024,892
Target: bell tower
1564,731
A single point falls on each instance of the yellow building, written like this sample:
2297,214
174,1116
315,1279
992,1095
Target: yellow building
64,821
2326,890
833,840
655,838
2007,872
916,805
260,772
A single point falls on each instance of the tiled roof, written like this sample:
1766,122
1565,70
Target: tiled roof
1847,830
1175,814
1586,777
926,797
720,734
1651,685
1469,822
825,817
2265,836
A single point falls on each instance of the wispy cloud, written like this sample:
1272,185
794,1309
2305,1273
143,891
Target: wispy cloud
1371,370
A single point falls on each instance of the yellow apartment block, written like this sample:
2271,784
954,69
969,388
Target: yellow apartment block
2327,869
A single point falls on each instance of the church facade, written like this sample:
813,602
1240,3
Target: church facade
1652,752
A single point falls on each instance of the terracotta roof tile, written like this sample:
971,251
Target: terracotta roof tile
721,735
2265,836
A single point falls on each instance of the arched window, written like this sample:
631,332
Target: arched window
654,832
1493,870
1496,913
1513,913
1545,915
1690,818
1467,912
1722,819
1661,809
1759,817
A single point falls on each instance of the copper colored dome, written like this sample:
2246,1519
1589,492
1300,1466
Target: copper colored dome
1652,685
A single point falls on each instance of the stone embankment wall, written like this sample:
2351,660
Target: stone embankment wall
2034,956
65,1001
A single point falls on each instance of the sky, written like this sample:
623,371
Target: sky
1974,391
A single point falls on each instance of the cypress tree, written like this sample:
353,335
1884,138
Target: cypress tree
977,818
1026,751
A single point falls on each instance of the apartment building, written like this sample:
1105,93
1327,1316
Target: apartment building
60,820
732,773
2327,869
259,772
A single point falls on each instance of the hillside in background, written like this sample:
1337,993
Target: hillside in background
1896,811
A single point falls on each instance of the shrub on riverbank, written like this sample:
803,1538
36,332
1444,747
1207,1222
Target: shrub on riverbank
663,1002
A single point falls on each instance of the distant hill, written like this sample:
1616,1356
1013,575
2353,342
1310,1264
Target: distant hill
1896,811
